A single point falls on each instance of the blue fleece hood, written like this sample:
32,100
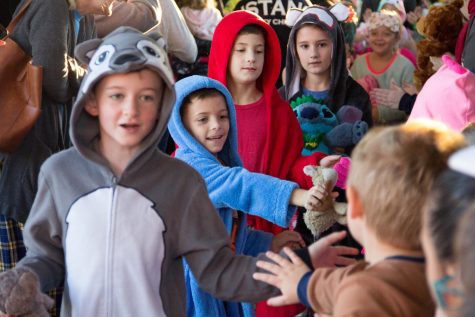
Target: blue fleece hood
182,137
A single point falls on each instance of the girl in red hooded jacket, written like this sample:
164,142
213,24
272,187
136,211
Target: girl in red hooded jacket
245,57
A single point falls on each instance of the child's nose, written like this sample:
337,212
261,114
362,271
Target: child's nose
315,51
131,107
215,124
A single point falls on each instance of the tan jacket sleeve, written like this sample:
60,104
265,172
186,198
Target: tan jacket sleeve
324,287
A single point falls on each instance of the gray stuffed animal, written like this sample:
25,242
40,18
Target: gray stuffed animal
20,294
330,211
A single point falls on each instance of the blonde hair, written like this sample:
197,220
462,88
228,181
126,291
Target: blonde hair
392,171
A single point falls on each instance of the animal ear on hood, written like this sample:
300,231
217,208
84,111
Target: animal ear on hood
340,11
292,16
85,50
158,37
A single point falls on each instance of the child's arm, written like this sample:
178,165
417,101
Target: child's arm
253,193
259,241
309,199
43,239
203,240
291,275
290,239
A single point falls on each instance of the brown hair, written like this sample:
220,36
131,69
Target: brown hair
199,94
392,171
253,29
466,258
448,199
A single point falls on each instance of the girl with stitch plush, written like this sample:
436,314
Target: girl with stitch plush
316,66
203,125
384,62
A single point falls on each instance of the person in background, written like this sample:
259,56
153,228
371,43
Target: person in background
316,63
464,292
152,15
49,32
201,16
450,196
384,62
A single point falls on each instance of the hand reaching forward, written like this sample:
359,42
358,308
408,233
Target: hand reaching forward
324,254
290,239
315,197
311,199
330,160
283,274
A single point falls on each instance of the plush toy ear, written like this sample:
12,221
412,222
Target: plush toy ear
292,16
85,50
340,11
309,170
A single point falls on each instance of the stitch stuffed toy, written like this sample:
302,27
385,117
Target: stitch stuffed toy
20,294
440,27
331,212
323,130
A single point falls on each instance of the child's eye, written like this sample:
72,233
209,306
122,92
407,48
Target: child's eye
304,46
240,50
202,120
147,98
224,117
322,45
259,51
116,96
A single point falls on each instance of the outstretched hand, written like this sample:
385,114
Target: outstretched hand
315,197
330,160
324,254
290,239
283,274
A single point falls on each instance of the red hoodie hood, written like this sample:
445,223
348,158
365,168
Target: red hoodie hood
223,41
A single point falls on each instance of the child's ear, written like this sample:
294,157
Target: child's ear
91,106
355,207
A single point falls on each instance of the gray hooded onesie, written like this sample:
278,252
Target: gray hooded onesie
118,240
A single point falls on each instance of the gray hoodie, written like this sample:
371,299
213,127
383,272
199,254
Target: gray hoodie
118,241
